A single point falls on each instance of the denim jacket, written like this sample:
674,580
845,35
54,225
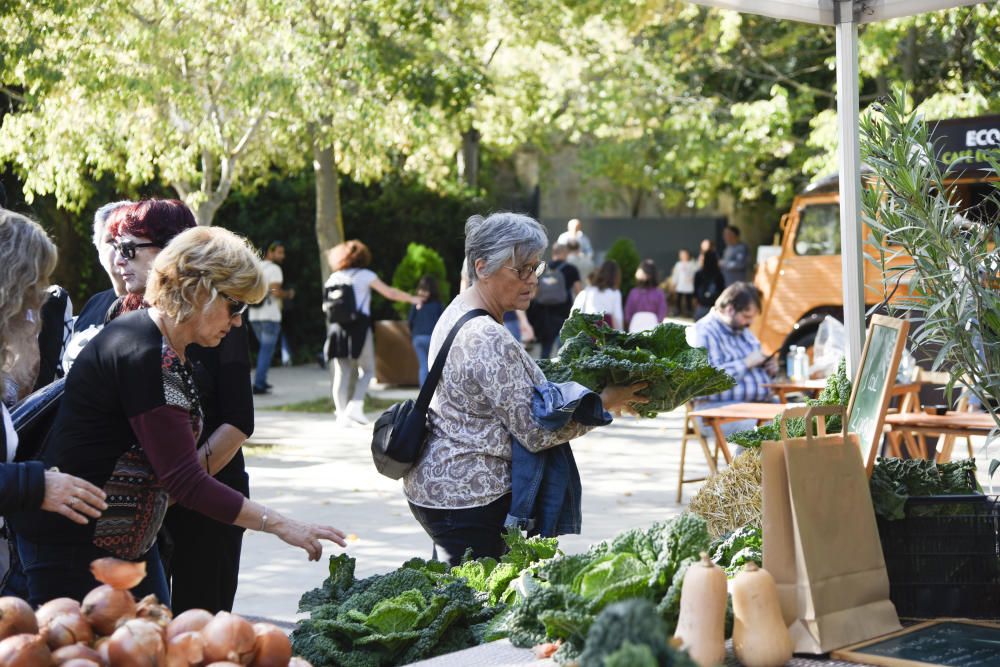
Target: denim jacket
545,486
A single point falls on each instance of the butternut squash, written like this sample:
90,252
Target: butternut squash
701,626
760,637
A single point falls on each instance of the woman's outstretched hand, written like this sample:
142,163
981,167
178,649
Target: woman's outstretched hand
74,498
616,398
308,535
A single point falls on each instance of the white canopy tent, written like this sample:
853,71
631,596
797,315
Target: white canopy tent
845,15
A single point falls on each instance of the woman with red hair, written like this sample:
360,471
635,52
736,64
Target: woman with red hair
202,555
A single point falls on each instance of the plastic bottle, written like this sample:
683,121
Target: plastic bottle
801,364
790,362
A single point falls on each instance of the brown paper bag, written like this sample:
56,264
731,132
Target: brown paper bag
821,542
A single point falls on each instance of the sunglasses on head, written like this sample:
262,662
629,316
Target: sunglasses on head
127,248
235,307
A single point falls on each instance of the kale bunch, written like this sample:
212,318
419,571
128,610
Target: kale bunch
894,481
630,633
567,593
424,608
836,392
738,548
415,612
596,356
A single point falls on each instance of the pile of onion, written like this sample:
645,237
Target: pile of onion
109,629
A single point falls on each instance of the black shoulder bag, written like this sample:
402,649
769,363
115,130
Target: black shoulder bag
400,432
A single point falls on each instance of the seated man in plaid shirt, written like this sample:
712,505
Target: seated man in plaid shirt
725,333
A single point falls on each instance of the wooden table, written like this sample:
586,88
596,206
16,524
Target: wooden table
716,417
784,387
950,425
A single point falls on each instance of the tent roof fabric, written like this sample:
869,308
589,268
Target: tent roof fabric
822,12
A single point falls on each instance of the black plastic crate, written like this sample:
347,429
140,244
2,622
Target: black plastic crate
943,559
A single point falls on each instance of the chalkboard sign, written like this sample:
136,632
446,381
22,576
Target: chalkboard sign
873,382
946,643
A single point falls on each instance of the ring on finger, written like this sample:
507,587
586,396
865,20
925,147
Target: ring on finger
73,500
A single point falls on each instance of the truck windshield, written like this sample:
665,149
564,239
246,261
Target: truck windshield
819,230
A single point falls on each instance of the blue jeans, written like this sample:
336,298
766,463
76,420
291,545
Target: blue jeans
267,335
477,528
422,346
63,570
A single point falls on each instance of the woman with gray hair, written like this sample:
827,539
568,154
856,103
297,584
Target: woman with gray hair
460,488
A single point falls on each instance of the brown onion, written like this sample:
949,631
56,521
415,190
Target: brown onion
56,607
228,637
299,662
16,617
67,629
101,646
76,652
150,609
104,606
186,649
137,643
271,646
192,620
24,650
81,662
119,574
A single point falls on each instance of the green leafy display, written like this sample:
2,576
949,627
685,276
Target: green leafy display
596,356
894,480
423,609
741,546
570,591
631,633
836,392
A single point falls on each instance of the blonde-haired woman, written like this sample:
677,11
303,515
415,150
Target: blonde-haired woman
350,348
131,417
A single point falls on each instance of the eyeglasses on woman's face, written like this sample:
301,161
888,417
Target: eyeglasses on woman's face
127,248
235,307
528,270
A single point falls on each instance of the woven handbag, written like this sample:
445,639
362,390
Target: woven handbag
401,431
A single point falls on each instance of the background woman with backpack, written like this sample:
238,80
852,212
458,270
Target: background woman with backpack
347,299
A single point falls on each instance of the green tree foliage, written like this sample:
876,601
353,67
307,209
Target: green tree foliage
418,262
144,91
624,252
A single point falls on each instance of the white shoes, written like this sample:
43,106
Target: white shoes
354,414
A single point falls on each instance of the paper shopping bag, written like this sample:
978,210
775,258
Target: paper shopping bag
821,541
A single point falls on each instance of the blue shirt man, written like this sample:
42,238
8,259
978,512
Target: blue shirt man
725,334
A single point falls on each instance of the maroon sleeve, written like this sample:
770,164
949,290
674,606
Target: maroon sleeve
165,435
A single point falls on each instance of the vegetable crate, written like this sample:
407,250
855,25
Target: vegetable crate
943,559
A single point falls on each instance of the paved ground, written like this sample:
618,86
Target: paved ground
303,465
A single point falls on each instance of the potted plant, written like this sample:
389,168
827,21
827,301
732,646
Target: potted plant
938,264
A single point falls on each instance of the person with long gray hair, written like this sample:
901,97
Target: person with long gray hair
460,490
27,259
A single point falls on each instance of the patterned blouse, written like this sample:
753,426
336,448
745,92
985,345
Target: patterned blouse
483,398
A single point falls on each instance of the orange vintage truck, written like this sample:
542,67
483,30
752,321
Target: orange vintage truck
802,282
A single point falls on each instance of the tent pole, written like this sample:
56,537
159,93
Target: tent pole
851,251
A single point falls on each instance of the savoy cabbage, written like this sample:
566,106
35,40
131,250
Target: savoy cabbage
596,356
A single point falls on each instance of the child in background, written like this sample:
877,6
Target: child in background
422,319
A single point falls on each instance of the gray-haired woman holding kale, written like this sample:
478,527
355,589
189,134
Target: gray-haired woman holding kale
460,489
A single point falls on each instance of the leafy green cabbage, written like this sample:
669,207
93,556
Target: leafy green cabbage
596,356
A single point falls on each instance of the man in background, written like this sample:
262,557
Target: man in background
725,334
265,318
574,232
735,258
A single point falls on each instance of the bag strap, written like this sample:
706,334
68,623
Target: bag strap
431,382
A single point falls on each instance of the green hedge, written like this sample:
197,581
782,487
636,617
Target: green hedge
625,253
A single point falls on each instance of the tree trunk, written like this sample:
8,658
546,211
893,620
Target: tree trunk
329,217
468,158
